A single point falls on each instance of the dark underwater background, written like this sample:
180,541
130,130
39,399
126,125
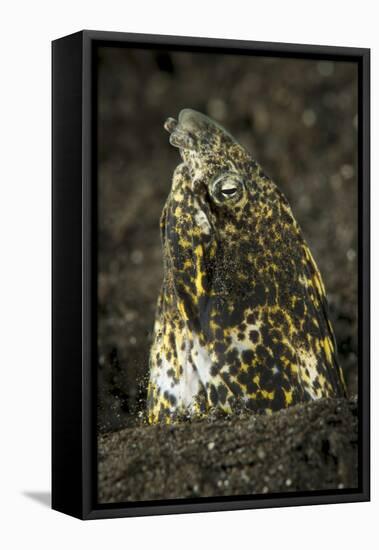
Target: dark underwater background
297,117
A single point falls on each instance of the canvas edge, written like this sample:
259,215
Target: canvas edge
85,506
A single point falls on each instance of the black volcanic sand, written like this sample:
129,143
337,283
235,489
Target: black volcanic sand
299,119
305,448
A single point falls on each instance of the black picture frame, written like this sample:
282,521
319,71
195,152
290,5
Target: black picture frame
74,267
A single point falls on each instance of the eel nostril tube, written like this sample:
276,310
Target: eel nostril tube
170,124
179,137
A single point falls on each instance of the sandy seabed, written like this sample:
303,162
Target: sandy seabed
304,448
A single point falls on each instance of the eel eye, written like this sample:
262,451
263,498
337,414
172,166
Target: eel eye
227,188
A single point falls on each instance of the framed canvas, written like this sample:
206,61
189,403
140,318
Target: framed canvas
210,275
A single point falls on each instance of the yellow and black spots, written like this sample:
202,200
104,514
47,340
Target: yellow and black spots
242,318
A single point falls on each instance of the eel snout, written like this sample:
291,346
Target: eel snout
184,132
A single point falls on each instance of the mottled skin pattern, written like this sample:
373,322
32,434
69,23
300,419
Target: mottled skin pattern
242,317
